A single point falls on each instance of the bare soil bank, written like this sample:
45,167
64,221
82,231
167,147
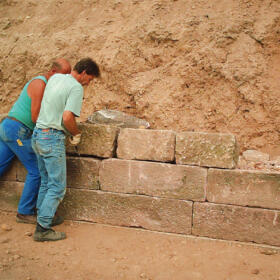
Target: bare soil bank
181,65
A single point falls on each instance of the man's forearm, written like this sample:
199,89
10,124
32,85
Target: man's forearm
70,123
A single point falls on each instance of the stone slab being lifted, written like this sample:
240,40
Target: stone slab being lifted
206,149
97,140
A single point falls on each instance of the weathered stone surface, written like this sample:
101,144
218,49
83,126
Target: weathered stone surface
82,172
21,171
206,149
146,144
117,118
11,173
239,187
253,155
168,215
97,140
10,193
15,172
155,179
236,223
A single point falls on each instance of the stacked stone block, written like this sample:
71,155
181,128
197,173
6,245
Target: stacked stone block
164,181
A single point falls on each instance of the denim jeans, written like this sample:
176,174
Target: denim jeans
15,140
49,147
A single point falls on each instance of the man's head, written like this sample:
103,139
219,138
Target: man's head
86,69
60,65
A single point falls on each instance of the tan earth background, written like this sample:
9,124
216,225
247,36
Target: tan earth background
183,65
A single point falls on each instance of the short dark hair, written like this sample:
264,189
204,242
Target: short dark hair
89,66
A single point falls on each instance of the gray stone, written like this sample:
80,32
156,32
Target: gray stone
146,144
236,223
160,214
240,187
206,149
97,140
155,179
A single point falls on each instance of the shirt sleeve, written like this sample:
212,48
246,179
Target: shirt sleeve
75,100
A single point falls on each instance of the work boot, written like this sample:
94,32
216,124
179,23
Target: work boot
57,220
26,219
44,234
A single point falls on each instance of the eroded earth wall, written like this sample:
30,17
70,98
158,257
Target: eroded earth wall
182,65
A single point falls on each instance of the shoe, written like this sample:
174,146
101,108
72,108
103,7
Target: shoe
26,219
48,235
57,220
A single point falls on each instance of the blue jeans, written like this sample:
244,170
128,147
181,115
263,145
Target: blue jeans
15,140
49,147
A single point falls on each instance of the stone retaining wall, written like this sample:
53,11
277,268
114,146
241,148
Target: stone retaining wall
164,181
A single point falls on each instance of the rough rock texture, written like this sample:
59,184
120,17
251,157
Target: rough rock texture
206,149
236,223
146,144
82,172
252,155
155,179
246,188
182,65
15,172
97,140
159,214
10,193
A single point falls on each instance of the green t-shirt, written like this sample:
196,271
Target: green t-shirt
62,93
21,110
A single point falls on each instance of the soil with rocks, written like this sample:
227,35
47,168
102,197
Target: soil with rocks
101,252
183,65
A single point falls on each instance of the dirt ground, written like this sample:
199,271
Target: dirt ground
101,252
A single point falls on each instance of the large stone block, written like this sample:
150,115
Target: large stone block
10,193
239,187
97,140
146,144
236,223
15,172
206,149
21,171
167,215
11,172
83,172
155,179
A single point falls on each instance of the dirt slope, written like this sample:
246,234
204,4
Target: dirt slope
181,65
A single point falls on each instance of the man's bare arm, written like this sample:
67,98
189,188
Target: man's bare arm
69,122
35,91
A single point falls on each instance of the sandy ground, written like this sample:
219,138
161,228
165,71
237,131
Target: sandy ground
100,252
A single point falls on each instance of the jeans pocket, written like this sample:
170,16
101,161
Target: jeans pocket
41,148
24,133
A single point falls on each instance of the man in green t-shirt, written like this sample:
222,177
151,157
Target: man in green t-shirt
15,138
61,103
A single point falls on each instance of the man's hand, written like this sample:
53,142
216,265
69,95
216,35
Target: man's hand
75,140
